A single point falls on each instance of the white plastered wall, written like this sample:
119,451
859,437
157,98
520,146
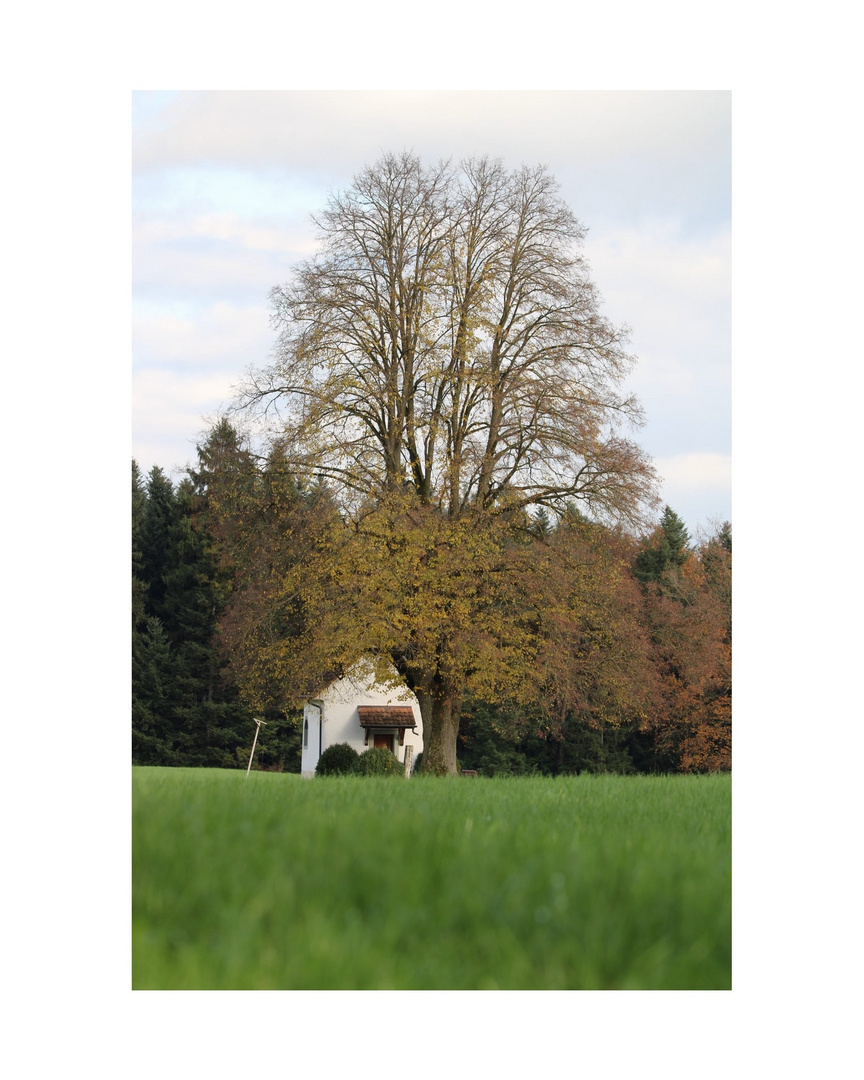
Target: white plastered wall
332,717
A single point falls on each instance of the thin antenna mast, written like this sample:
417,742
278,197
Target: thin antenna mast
254,741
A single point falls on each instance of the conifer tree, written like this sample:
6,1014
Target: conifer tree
139,586
158,517
666,549
239,513
153,729
542,524
182,714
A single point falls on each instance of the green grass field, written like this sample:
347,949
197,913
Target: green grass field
273,882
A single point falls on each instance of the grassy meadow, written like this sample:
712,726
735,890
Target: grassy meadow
582,882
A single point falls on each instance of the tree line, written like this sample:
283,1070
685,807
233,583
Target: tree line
633,674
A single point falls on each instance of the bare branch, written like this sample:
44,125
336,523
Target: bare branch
448,337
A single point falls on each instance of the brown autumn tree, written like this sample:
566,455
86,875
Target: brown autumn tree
688,607
593,666
596,655
706,735
443,365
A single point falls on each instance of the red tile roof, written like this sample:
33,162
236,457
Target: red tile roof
386,716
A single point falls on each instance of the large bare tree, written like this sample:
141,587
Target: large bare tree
446,346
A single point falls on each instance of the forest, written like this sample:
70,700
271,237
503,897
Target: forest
642,683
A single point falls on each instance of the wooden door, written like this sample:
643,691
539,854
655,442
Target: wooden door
384,741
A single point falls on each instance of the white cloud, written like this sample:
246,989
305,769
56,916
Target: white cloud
256,233
698,487
170,410
674,291
214,255
224,338
703,472
252,235
319,131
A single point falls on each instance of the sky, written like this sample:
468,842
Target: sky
224,184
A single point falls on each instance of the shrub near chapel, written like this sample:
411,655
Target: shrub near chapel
337,760
379,762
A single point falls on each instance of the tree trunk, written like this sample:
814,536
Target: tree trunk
440,730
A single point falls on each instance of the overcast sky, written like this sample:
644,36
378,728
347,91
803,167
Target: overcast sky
224,184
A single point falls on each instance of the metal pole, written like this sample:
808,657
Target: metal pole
254,741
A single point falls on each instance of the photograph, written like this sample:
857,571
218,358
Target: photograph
431,540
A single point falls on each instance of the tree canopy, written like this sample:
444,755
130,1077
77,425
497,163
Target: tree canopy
448,338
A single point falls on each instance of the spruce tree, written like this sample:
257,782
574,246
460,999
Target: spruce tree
139,586
212,724
154,733
154,727
542,524
666,549
159,515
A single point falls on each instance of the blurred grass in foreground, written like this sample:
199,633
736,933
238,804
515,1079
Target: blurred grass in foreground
273,882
